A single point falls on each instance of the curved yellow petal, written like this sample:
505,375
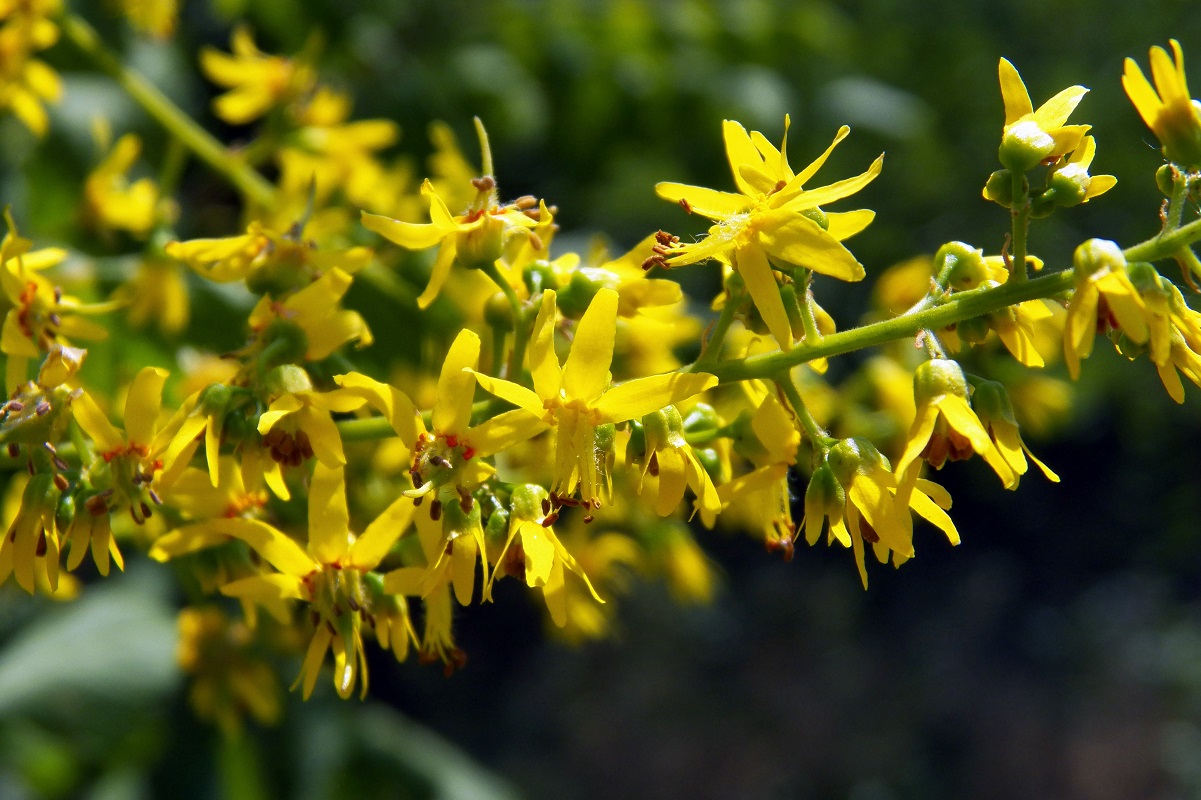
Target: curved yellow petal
642,396
143,404
375,542
752,265
409,235
544,364
456,384
274,546
329,519
586,373
707,202
1013,93
515,393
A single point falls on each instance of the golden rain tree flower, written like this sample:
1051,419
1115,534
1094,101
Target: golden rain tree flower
577,398
770,224
111,201
1104,300
447,462
1169,112
27,82
124,470
473,239
946,427
1031,137
31,544
155,18
41,315
1069,182
533,545
332,574
230,678
993,407
764,490
257,82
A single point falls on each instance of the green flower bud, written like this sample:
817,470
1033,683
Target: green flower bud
966,263
538,277
1165,179
497,527
702,417
973,331
1145,278
742,433
526,501
850,456
1096,255
990,401
825,496
1067,186
818,216
498,313
295,342
636,446
710,460
936,377
999,188
574,298
1128,347
481,247
1024,145
606,435
287,379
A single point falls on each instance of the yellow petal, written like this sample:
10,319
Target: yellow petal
329,520
409,235
375,542
143,404
1013,93
544,364
279,549
707,202
586,373
515,393
394,404
752,265
95,424
503,431
456,385
642,396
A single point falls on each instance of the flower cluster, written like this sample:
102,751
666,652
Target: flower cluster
554,417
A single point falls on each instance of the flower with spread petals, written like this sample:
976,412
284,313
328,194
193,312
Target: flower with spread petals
576,398
257,82
31,544
332,574
1169,112
473,239
124,472
41,314
27,82
1031,137
316,313
112,202
447,462
772,223
946,427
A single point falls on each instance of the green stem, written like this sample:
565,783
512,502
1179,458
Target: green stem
712,349
817,436
1176,201
524,324
1165,244
959,307
1020,217
252,185
808,318
493,272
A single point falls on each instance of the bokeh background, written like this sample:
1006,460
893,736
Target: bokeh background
1056,653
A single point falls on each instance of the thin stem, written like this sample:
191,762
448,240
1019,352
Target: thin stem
251,184
960,306
1176,202
1165,244
817,437
808,318
1020,218
493,272
524,324
712,349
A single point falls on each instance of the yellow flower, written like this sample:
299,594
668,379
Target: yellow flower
1031,137
41,314
257,82
761,498
288,259
155,18
1169,112
229,678
157,293
577,399
332,574
111,201
992,405
26,82
447,461
31,544
1104,300
770,223
125,469
473,239
533,546
1069,183
314,312
946,427
670,458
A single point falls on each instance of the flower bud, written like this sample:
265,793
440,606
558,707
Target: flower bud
287,379
966,264
999,188
824,497
60,366
854,455
498,313
1096,255
702,417
1165,179
818,216
1024,145
526,501
746,443
538,277
574,298
936,377
973,331
482,246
